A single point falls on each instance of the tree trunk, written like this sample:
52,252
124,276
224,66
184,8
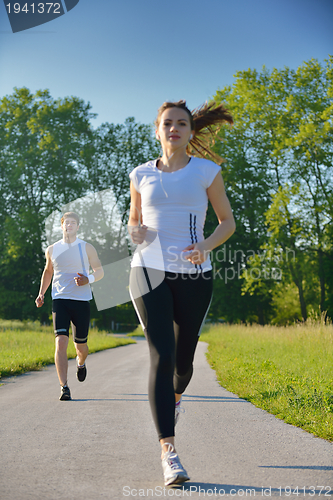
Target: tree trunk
320,254
296,275
302,302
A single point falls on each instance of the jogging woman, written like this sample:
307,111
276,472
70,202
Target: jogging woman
171,275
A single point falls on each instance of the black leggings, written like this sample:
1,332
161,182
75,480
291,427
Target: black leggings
171,313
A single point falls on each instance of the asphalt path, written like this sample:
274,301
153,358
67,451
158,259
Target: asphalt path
103,444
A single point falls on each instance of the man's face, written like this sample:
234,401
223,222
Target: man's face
69,226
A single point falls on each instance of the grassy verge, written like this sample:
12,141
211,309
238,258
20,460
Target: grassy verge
138,332
29,346
285,371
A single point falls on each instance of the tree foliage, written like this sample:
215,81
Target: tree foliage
280,174
49,156
45,147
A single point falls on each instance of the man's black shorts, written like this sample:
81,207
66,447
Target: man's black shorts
65,311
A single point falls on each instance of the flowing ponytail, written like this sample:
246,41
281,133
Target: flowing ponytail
205,121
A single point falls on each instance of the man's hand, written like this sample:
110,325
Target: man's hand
81,279
40,300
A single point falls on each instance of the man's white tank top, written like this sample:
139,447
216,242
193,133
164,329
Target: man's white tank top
68,259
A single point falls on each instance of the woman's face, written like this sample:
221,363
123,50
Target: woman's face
174,129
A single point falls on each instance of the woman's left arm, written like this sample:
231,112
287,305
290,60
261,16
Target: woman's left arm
220,203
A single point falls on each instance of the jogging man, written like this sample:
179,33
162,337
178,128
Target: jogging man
68,262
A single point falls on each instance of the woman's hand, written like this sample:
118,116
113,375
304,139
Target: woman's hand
81,279
137,234
197,253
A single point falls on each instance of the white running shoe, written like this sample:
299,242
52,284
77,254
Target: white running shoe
178,410
174,472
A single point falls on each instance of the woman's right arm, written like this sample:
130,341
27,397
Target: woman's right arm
136,230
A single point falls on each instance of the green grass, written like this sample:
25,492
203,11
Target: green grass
28,346
138,332
287,371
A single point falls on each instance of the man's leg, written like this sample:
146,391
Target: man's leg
60,358
61,322
80,317
82,352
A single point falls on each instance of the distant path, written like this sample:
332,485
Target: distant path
102,445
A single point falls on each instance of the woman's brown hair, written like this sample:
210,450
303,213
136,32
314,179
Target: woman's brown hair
205,121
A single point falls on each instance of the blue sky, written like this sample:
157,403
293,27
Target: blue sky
127,57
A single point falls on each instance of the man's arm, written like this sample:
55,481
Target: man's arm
94,263
46,279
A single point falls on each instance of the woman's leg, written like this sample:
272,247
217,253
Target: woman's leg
155,311
192,296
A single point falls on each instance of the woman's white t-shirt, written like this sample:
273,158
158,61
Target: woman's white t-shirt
174,206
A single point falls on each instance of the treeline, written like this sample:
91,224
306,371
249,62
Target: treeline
277,267
50,155
279,177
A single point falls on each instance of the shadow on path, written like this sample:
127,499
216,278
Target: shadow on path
189,398
310,467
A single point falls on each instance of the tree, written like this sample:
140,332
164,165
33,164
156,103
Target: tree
310,144
51,158
120,148
45,147
283,129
